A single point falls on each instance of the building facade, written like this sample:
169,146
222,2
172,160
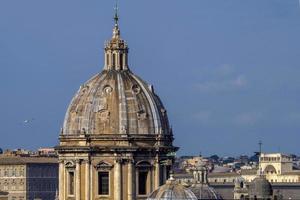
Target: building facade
116,142
28,178
276,167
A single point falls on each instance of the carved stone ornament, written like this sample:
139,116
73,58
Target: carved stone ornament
142,115
163,111
107,89
136,89
104,115
70,164
143,164
103,166
123,129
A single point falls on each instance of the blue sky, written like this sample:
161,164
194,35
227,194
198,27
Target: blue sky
227,70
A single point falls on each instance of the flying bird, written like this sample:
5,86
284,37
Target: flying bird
28,121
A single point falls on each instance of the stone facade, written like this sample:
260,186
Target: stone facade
116,142
277,168
28,178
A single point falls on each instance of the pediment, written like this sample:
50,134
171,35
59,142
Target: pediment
102,165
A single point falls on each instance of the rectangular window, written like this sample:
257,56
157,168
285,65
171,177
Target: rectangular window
143,182
121,60
168,171
114,60
107,59
71,183
103,183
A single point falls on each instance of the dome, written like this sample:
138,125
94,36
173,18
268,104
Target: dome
116,101
201,188
204,191
172,190
260,187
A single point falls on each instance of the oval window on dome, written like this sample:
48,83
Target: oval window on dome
136,89
107,89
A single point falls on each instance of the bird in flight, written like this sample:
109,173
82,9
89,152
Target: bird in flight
28,121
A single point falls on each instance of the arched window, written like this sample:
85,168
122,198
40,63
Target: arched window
143,177
70,166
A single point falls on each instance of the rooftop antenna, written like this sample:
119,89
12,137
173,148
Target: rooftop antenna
260,172
260,146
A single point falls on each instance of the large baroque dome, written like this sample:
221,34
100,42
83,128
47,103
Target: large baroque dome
116,143
116,101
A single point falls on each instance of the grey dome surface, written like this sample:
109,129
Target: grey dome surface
116,102
172,190
260,187
204,191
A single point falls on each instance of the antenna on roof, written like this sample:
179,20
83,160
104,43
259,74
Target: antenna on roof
260,146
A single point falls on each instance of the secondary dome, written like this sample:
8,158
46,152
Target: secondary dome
116,101
260,188
172,190
201,188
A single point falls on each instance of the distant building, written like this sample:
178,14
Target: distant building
279,168
47,152
275,166
274,171
28,178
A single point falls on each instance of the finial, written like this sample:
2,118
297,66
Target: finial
116,18
116,31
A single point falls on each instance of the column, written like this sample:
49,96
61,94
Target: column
61,180
118,60
165,174
131,180
87,180
77,192
91,182
152,179
117,181
157,174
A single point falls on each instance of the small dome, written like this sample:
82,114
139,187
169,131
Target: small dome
201,188
204,191
172,190
260,187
